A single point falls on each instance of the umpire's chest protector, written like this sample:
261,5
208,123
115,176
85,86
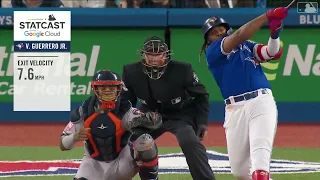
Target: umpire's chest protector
165,94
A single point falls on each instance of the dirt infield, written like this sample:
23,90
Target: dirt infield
47,134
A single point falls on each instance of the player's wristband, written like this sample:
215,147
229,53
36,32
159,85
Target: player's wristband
273,46
68,142
275,28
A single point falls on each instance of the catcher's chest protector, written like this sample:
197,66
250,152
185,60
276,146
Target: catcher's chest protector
106,138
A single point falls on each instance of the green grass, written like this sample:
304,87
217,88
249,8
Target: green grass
53,153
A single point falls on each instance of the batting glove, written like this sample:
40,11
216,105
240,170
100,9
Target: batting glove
276,27
277,14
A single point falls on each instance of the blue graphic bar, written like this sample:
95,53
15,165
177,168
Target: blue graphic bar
42,46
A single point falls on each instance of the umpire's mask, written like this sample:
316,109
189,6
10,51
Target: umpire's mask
155,57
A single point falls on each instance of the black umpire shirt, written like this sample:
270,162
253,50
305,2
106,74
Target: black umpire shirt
176,95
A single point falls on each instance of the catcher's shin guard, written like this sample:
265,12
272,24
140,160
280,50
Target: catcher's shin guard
260,175
145,154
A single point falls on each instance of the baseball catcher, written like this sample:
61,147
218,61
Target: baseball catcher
105,121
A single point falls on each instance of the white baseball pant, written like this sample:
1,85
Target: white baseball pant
250,128
122,168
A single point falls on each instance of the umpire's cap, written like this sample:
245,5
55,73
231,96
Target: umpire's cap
212,22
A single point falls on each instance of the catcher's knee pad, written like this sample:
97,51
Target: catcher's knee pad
145,151
82,178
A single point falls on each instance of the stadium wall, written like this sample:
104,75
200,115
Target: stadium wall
100,37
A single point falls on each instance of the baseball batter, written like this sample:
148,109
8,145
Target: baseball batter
105,121
250,112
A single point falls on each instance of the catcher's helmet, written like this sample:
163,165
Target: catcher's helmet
113,85
155,46
212,22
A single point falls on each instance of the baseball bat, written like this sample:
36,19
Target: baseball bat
290,3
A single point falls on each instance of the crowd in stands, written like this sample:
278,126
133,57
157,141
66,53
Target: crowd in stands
144,3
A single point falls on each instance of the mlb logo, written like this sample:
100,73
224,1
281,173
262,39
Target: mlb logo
307,7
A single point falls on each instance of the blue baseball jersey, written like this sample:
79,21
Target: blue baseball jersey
236,72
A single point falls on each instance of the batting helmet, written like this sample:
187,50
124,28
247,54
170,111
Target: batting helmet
207,26
112,87
212,22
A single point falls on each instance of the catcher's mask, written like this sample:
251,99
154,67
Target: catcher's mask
155,57
107,87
